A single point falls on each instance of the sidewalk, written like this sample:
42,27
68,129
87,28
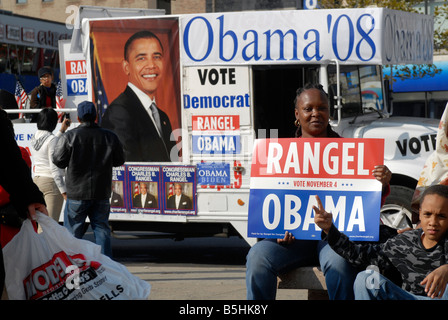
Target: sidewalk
204,282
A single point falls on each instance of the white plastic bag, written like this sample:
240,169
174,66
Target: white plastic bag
54,265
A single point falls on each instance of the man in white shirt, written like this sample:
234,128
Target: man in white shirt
47,176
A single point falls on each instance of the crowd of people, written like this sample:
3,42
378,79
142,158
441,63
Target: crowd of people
76,166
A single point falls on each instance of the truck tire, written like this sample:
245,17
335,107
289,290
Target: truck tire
397,212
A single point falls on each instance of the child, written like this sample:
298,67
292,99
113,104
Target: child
420,255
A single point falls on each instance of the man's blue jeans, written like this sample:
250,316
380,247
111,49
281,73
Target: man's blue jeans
371,285
267,259
75,214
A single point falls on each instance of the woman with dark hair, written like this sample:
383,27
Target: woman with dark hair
270,257
45,94
47,176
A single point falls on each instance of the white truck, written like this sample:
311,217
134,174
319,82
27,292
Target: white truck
232,79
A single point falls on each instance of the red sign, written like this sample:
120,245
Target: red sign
75,67
216,123
288,174
317,157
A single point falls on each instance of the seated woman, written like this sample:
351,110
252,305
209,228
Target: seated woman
271,257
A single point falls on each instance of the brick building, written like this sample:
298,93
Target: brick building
60,10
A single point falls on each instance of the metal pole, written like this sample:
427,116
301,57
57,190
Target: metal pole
37,110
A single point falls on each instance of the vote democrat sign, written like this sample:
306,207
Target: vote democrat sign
287,174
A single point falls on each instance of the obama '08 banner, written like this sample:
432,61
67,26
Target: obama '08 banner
287,174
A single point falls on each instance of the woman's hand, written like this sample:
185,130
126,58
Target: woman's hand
382,174
322,218
65,124
288,239
32,210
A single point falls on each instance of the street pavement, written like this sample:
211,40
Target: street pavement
191,269
199,282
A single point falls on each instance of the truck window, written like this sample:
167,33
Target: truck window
371,88
361,90
350,90
274,89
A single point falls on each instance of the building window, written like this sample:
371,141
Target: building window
164,4
21,1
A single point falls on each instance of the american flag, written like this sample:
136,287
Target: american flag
21,97
171,190
59,98
136,189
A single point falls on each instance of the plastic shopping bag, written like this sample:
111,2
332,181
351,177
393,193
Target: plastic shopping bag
54,265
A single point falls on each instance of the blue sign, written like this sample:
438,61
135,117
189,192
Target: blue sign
213,174
216,144
288,174
118,200
144,189
77,87
273,213
179,185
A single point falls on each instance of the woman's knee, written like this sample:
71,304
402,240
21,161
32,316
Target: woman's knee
330,260
256,257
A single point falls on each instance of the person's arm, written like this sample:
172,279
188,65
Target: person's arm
61,154
34,100
189,202
435,283
383,175
287,239
57,173
15,176
64,126
32,207
358,255
154,201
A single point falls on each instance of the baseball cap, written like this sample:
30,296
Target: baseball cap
44,70
86,111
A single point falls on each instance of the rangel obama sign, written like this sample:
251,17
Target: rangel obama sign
287,174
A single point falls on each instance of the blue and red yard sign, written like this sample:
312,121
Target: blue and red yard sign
287,174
